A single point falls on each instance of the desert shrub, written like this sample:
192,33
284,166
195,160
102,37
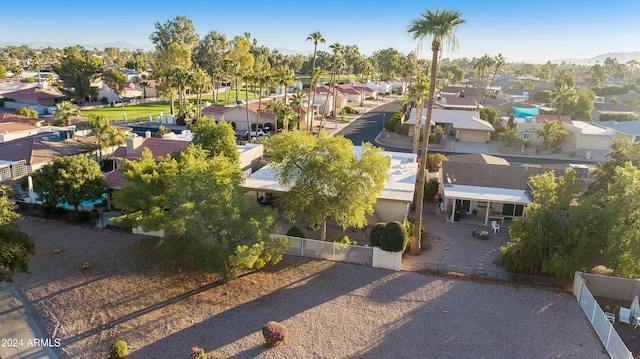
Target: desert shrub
430,189
180,121
274,333
340,238
527,144
28,112
557,149
620,117
572,153
439,134
390,124
434,161
394,237
376,233
349,109
118,350
295,231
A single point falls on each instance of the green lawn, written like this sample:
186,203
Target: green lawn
133,112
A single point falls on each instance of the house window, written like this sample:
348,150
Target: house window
526,135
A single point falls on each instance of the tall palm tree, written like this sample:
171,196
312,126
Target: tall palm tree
549,131
65,110
284,78
499,62
262,75
439,26
632,63
298,99
200,83
482,65
317,38
275,106
338,51
419,92
106,136
562,95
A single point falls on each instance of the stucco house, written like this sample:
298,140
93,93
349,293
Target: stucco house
482,188
14,126
626,130
463,125
35,96
393,203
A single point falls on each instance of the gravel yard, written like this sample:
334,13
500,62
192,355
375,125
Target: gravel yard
162,308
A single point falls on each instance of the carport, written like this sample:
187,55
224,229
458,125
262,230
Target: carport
487,203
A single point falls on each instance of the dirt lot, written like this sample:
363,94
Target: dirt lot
162,308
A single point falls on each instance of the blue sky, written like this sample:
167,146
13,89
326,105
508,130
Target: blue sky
531,31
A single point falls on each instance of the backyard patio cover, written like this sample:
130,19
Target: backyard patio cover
486,194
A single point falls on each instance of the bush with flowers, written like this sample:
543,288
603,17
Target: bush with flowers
274,333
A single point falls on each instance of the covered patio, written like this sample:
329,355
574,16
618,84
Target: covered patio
483,204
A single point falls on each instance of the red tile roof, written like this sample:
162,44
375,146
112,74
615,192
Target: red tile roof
35,93
216,110
34,149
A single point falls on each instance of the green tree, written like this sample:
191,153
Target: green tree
115,80
217,138
482,65
510,136
499,62
583,107
620,153
106,136
15,246
317,38
619,230
210,54
27,112
598,75
564,94
325,179
145,85
549,132
298,100
65,110
199,202
179,30
200,83
489,114
69,179
77,69
550,238
440,26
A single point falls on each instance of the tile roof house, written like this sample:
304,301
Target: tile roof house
38,150
457,103
36,96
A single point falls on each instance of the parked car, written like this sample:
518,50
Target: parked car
259,133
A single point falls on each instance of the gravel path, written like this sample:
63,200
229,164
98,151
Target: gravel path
332,310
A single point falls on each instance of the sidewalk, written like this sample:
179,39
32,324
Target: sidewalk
21,337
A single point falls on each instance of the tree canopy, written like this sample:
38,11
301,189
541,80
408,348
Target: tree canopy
217,138
69,179
77,69
199,203
324,178
15,245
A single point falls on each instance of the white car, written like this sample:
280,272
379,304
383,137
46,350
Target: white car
255,134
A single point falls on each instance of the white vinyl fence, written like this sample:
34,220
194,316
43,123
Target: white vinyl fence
608,336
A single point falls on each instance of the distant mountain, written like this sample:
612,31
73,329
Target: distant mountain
622,58
60,45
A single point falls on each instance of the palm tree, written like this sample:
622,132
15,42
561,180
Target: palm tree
439,26
338,51
275,106
632,63
562,95
482,65
499,62
549,131
419,92
316,37
200,83
262,75
145,85
510,136
105,135
63,114
284,78
298,99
